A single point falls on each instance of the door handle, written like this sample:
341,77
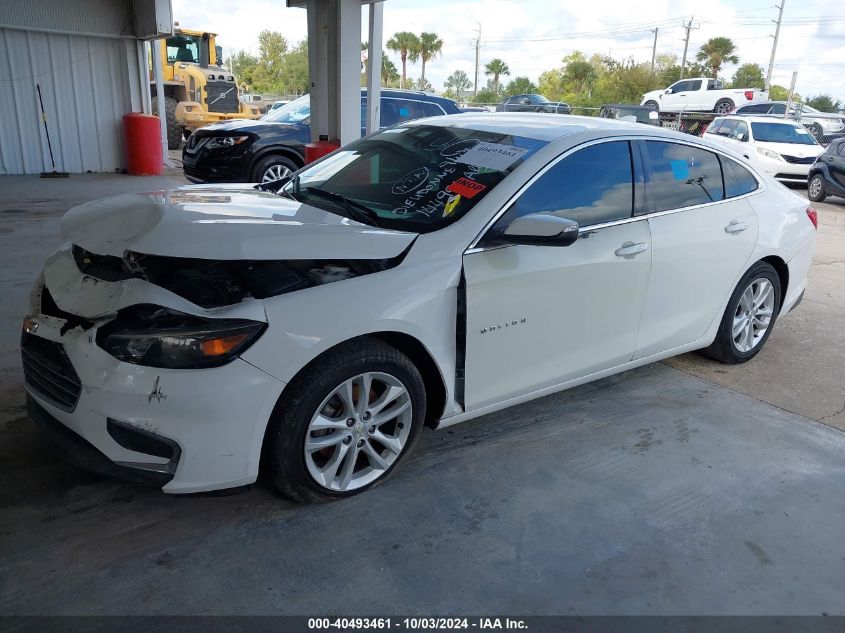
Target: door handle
630,249
736,227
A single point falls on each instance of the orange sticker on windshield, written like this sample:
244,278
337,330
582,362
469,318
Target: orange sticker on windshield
466,187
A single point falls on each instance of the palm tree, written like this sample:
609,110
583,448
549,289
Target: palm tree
389,74
497,68
457,83
715,52
430,46
408,46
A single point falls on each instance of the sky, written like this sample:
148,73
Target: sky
532,36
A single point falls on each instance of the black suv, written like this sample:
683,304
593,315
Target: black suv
273,146
827,175
532,103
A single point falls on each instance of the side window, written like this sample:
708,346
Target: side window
681,176
713,128
738,180
431,109
395,111
727,127
841,148
777,108
591,186
694,85
681,86
740,132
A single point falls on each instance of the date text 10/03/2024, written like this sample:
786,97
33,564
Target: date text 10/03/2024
416,624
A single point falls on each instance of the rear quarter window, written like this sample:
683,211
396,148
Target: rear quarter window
738,180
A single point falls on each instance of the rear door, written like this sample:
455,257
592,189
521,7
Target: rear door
538,316
701,241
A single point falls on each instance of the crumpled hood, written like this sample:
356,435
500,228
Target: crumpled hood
224,222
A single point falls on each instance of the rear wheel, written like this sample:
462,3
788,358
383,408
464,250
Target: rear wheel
274,167
749,316
723,106
174,129
815,189
348,420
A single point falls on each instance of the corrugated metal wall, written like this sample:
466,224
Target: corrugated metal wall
107,17
88,83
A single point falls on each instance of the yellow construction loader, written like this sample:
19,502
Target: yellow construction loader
197,89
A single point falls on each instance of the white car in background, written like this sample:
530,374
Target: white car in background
431,273
822,125
782,148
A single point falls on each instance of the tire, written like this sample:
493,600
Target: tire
723,106
815,188
275,164
311,399
174,130
726,348
653,105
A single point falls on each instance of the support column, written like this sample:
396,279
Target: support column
318,67
374,66
348,70
159,80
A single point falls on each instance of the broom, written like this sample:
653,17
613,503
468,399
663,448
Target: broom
54,173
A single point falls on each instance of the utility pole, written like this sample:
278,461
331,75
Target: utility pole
477,45
688,28
774,46
654,49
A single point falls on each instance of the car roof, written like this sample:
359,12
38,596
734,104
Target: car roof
760,119
543,127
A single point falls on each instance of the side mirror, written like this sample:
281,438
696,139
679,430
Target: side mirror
668,91
541,229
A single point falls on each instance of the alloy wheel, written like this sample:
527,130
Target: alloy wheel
753,315
815,187
275,172
723,108
358,431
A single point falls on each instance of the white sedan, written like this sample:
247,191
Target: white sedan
781,148
425,275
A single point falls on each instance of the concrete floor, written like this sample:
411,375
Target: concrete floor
663,490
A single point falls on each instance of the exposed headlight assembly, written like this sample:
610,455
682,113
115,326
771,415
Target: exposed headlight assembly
769,153
218,142
159,337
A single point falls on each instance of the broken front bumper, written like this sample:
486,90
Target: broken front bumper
214,419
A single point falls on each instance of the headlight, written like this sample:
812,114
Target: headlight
217,142
158,337
769,153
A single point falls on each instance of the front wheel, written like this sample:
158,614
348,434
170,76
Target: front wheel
347,422
271,168
652,104
815,189
749,316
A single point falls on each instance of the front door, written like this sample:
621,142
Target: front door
537,316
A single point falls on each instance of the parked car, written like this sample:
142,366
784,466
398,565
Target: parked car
827,174
822,125
782,148
700,94
278,104
273,146
628,112
474,109
427,274
532,103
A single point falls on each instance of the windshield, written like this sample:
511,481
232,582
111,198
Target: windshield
183,48
539,99
782,133
417,178
294,112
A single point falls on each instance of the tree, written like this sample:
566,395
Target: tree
520,86
423,84
715,52
497,68
779,93
486,97
407,45
749,76
430,46
579,74
243,66
389,73
824,103
456,84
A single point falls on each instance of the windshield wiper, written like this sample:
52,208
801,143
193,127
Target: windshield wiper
354,209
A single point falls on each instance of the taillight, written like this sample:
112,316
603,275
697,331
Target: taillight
814,217
749,94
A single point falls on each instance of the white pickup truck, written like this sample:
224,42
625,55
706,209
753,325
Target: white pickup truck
701,94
